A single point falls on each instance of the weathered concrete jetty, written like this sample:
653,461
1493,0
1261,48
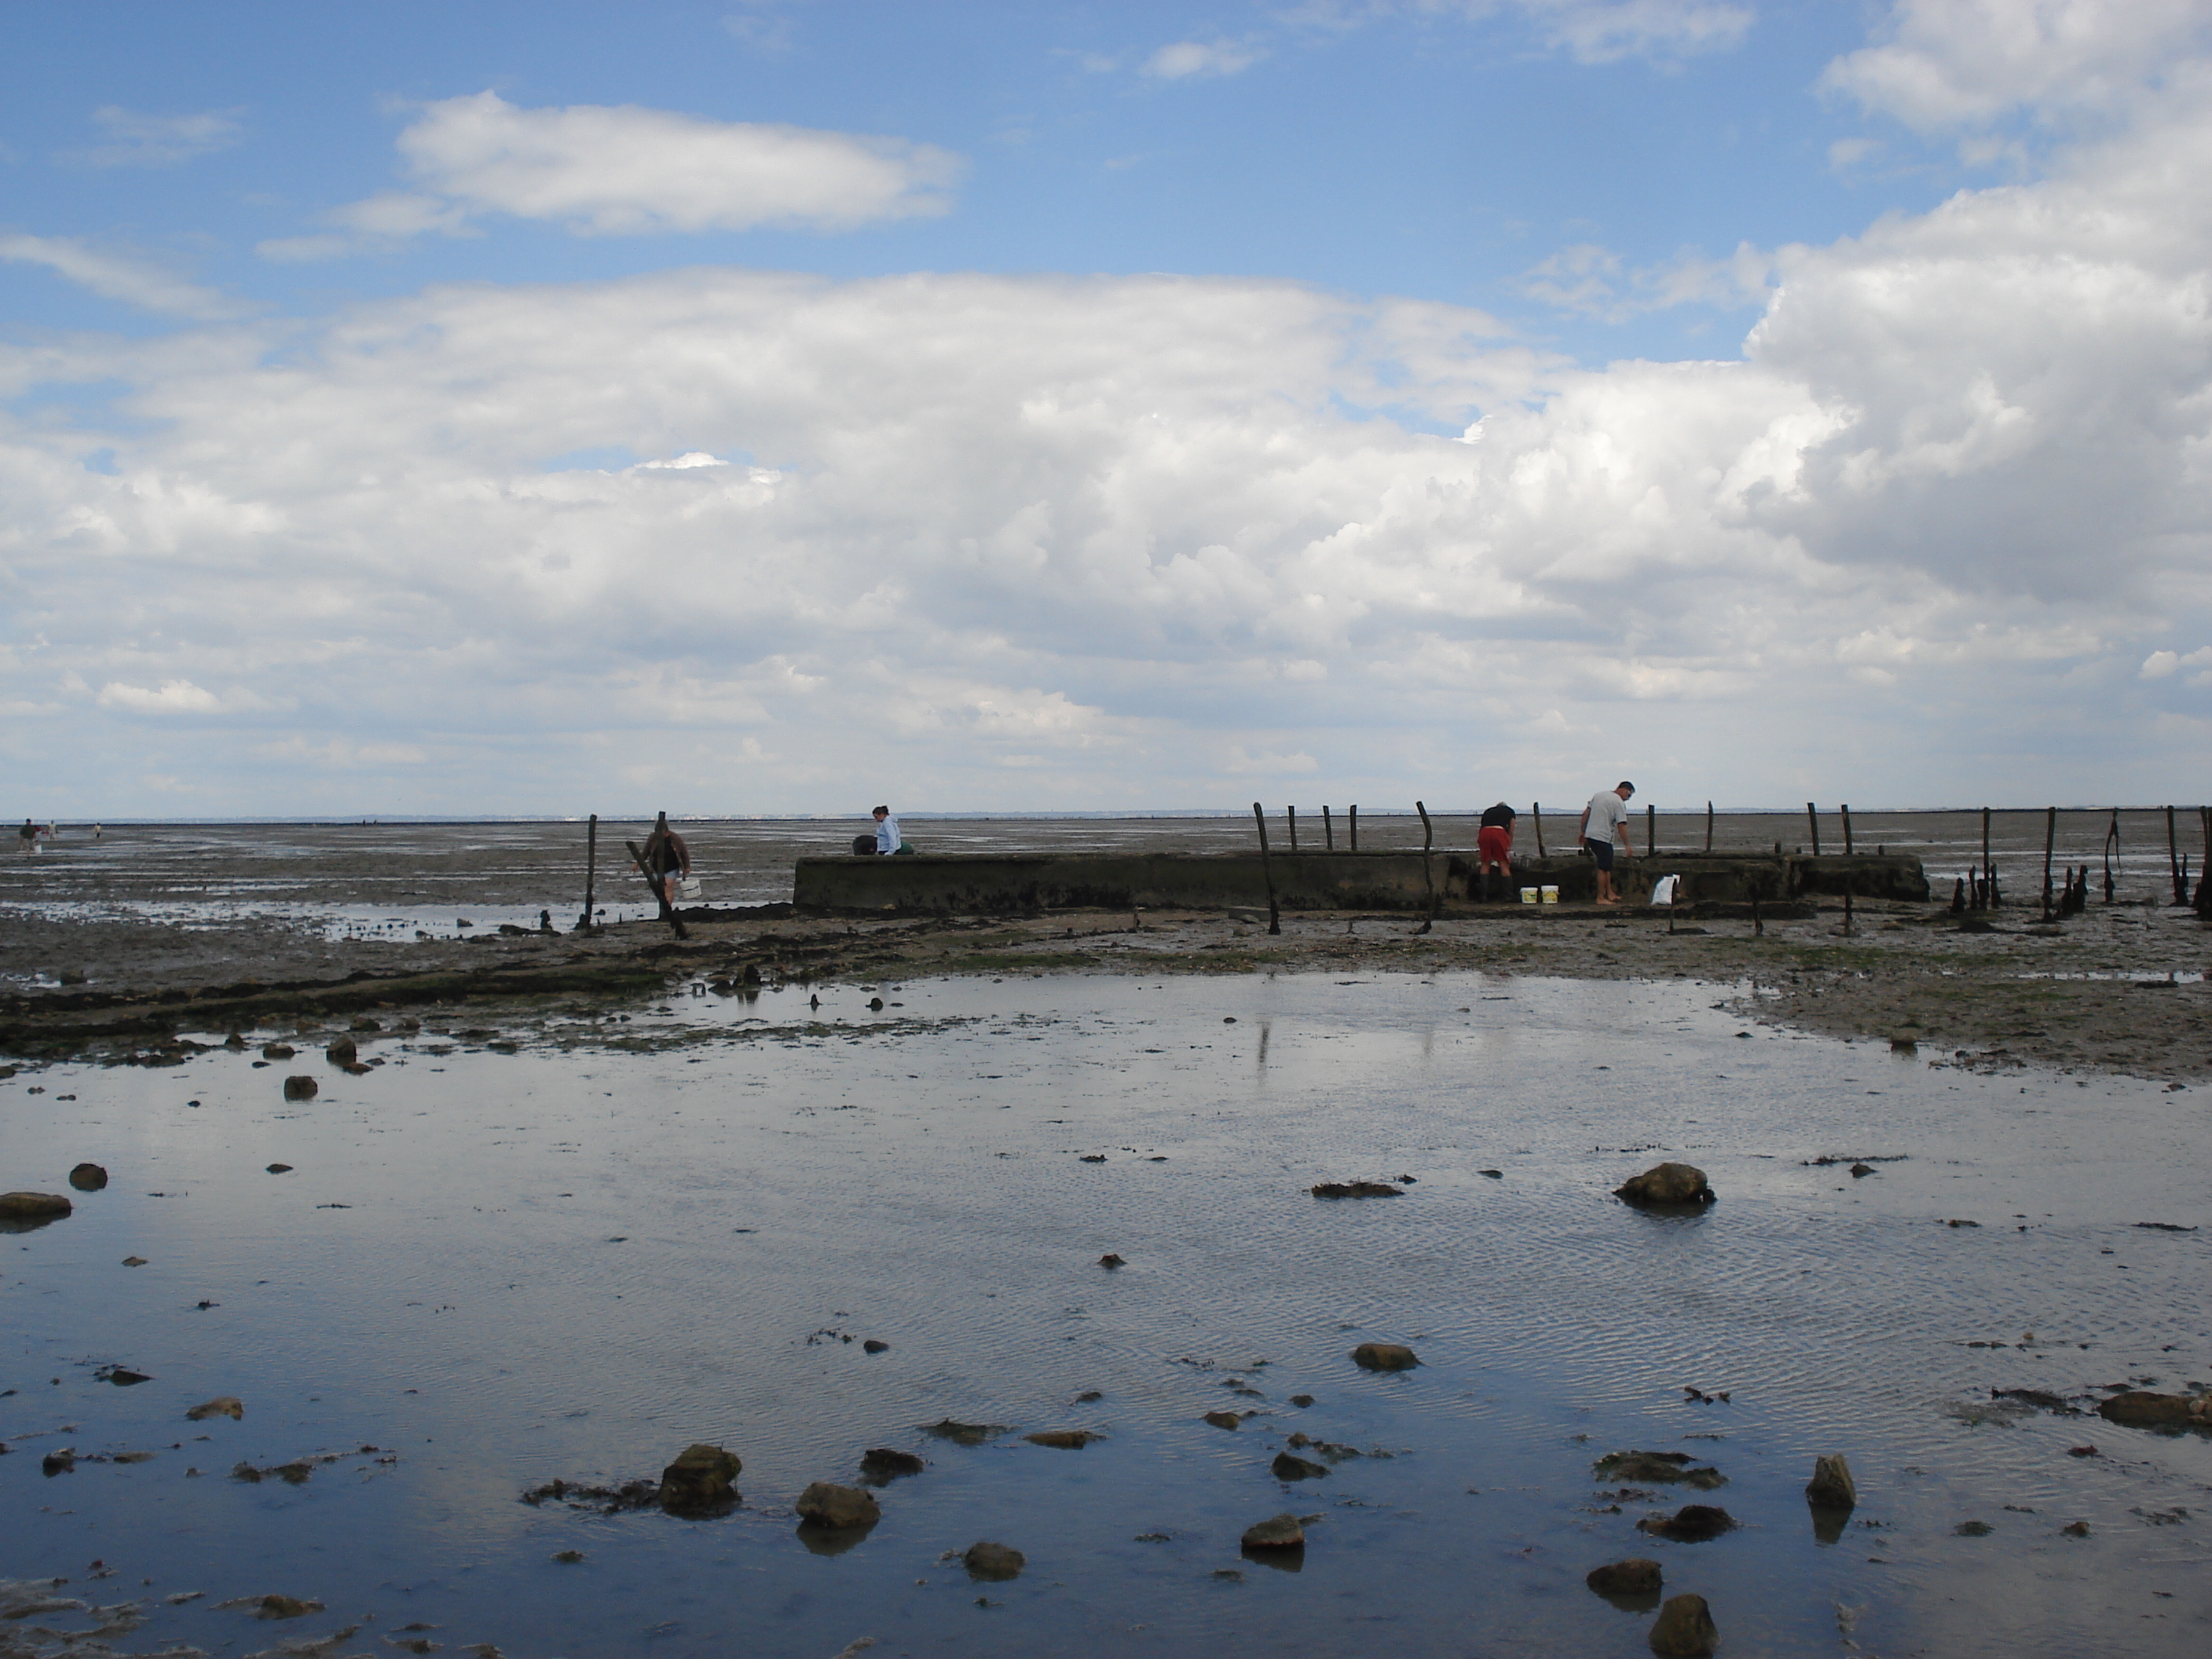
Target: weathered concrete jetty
991,885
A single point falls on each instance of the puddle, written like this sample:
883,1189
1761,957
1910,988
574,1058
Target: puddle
571,1260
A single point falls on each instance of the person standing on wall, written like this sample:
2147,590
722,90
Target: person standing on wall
1494,849
1606,817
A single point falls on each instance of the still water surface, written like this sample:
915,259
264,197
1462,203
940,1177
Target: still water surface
575,1260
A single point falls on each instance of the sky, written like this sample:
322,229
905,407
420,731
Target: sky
782,407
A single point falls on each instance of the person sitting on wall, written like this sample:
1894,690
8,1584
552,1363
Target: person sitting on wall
889,841
1493,847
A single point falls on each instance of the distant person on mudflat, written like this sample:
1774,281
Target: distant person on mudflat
888,841
1493,846
1606,817
27,838
667,858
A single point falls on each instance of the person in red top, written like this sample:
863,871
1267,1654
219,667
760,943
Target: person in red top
1494,847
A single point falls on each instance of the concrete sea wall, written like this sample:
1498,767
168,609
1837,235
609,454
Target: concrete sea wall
982,885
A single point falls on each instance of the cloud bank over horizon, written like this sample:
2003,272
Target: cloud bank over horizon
730,539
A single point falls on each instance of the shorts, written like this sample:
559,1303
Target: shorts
1494,845
1601,851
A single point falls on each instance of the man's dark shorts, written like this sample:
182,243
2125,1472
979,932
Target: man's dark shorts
1602,851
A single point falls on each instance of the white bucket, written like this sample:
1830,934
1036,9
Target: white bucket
691,887
1529,895
1551,896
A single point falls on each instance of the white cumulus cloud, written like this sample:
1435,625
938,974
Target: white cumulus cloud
127,278
1185,60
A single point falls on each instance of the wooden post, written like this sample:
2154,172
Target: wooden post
1293,813
1851,926
1428,869
1848,848
1709,826
2111,846
1537,811
591,871
1651,830
2173,858
1327,831
1267,871
2050,842
1989,875
1812,818
1351,816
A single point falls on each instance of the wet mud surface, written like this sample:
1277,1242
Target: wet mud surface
539,1245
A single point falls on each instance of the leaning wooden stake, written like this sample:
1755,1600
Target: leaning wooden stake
590,872
1327,832
1267,871
1537,811
2111,846
2173,860
1812,818
1292,813
1989,871
1428,869
1709,826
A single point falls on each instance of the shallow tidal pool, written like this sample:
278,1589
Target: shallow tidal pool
573,1261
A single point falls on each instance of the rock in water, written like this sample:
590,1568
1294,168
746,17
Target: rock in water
286,1606
1640,1467
34,1207
2138,1408
1684,1629
1694,1524
880,1463
995,1563
1832,1487
1666,1183
964,1434
1384,1357
1281,1532
829,1505
88,1178
1637,1575
1356,1189
223,1405
1289,1467
341,1052
1063,1439
301,1088
699,1481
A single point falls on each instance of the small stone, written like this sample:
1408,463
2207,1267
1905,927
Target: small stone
1666,1184
1861,1171
34,1207
964,1434
1671,1467
1684,1629
1225,1419
699,1481
1973,1529
1832,1487
277,1051
57,1462
1384,1357
1694,1524
341,1052
1494,1174
1110,1259
2136,1408
88,1178
1281,1532
1288,1467
280,1168
1638,1575
301,1088
875,1345
2075,1529
1301,1401
1063,1439
993,1564
134,1261
1356,1189
826,1505
1093,1158
286,1606
363,1023
569,1557
223,1405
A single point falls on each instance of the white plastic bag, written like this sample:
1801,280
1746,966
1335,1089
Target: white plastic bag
1662,890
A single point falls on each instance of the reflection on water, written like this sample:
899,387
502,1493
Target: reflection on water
499,1269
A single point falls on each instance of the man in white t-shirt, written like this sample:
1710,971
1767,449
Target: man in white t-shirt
1606,817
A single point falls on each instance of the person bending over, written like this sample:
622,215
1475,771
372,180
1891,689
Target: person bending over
1494,847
